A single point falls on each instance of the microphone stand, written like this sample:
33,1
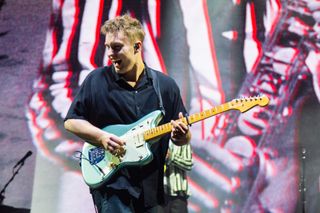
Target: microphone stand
2,197
302,180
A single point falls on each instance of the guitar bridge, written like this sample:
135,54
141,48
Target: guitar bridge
119,153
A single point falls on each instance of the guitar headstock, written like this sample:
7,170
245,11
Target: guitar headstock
244,104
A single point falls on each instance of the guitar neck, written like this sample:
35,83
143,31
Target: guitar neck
166,128
242,104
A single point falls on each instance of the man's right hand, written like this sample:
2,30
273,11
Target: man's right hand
111,142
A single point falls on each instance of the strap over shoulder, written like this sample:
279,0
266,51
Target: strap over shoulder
156,86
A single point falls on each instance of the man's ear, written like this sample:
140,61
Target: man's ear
136,46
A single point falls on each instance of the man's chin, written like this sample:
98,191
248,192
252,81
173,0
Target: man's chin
121,69
117,69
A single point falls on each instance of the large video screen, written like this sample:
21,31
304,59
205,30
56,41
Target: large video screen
261,160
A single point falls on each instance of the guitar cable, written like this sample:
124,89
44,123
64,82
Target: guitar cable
82,156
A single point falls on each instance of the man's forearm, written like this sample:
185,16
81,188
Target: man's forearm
84,130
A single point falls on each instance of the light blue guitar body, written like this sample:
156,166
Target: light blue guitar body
99,165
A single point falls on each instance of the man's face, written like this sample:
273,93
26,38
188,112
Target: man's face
121,52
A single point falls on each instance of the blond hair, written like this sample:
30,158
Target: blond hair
131,27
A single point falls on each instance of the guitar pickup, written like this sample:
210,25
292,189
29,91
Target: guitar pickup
138,142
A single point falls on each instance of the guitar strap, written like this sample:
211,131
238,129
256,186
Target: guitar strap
156,86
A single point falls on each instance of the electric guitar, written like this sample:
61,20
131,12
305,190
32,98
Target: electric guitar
99,165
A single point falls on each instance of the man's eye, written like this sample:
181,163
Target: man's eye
116,48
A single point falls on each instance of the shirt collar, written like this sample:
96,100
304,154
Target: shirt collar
145,78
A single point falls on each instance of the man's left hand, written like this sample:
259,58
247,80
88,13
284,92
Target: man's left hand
180,133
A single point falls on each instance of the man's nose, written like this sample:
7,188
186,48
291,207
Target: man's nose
110,52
